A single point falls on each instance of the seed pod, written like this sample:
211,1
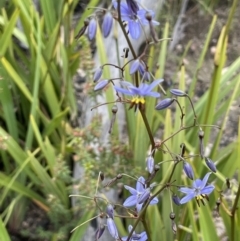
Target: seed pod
83,29
201,146
228,183
172,215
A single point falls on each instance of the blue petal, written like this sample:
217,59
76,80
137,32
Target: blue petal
134,67
131,190
205,179
154,201
143,236
186,190
187,198
154,84
123,91
139,207
144,196
134,29
197,183
154,94
208,189
130,201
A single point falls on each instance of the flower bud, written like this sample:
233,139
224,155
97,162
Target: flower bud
100,85
112,228
163,104
97,74
150,164
92,29
178,92
176,199
210,164
107,24
188,170
110,211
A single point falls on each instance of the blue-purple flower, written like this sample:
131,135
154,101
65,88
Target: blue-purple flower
139,92
140,237
134,17
137,193
107,24
199,190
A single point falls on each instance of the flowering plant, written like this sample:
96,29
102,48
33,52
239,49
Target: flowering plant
133,19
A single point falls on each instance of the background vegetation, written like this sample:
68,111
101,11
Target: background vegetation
39,142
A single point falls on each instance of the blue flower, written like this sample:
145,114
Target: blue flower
140,237
199,190
139,92
107,24
135,18
137,193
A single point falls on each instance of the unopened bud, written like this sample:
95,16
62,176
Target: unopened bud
176,199
178,92
101,85
210,164
97,74
163,104
201,146
188,170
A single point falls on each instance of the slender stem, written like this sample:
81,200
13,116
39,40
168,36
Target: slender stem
148,129
124,31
